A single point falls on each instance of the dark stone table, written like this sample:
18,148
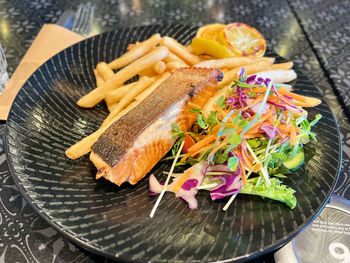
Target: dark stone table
315,35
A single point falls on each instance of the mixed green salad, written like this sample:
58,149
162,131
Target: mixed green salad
246,143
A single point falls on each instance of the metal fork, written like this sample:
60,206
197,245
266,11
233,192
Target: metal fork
83,19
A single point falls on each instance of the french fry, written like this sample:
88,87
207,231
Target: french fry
140,86
98,78
278,76
117,94
139,98
189,48
148,72
205,57
180,50
104,71
260,65
84,146
286,65
226,62
310,102
98,94
175,65
131,46
252,68
172,57
136,52
112,106
151,88
159,67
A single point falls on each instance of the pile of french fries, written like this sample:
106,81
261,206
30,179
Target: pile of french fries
152,61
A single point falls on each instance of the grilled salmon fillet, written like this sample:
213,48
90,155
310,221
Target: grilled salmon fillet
132,145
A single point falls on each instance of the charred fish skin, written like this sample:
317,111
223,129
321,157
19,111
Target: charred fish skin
128,149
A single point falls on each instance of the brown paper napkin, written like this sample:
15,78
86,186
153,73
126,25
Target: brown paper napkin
50,40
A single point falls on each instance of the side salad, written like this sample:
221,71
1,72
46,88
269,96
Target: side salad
246,143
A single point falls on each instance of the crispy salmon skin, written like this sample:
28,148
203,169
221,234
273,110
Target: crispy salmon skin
131,146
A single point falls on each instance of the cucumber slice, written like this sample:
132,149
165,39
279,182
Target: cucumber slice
296,162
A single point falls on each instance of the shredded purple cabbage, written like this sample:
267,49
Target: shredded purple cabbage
188,190
256,108
267,81
189,184
251,79
231,100
231,182
276,104
269,130
242,72
246,114
260,80
288,97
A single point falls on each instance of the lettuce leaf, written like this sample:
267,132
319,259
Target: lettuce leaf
277,191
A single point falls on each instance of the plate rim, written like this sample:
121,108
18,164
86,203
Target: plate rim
279,243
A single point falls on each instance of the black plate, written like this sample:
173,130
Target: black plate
44,121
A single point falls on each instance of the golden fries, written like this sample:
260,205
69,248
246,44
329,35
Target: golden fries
148,72
189,48
104,71
98,94
226,62
150,89
180,50
135,52
84,146
175,64
153,60
252,68
117,94
286,65
98,78
159,67
310,102
172,57
137,88
279,75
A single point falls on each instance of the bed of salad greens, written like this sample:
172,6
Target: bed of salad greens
251,139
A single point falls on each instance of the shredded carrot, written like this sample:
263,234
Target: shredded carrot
192,154
255,90
246,160
293,135
244,175
264,118
222,144
252,136
254,130
184,158
181,181
257,167
215,129
221,112
251,118
263,89
204,142
284,128
254,102
271,119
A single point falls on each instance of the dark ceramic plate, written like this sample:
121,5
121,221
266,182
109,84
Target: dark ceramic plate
114,221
